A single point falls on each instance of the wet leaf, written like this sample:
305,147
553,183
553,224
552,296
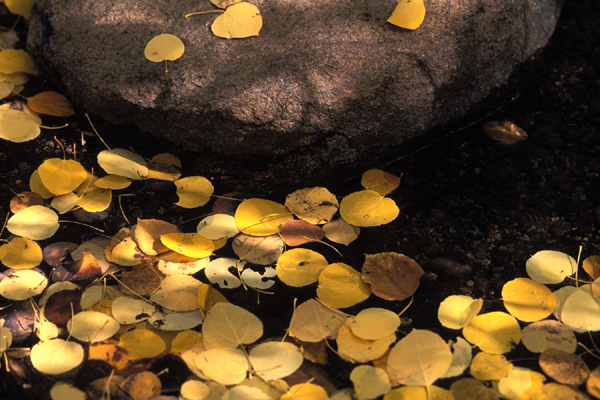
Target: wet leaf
300,267
563,367
495,332
548,334
368,208
240,20
487,367
297,232
369,382
261,250
340,286
50,103
227,325
193,191
259,217
142,343
375,323
314,322
92,326
339,231
44,359
408,14
24,200
274,360
23,284
549,267
528,300
392,276
379,181
123,163
21,253
61,176
357,350
315,205
456,311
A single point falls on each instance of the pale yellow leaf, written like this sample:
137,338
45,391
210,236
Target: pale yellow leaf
274,360
23,284
370,382
549,267
178,292
228,325
227,366
92,326
357,350
341,286
217,226
124,163
456,311
44,356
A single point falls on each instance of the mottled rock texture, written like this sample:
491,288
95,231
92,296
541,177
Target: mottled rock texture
327,89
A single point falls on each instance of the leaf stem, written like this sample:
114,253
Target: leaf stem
203,12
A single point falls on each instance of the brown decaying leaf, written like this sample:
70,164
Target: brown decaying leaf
297,232
54,254
24,200
142,281
86,268
591,265
262,250
313,322
564,367
505,132
60,305
392,276
51,103
142,386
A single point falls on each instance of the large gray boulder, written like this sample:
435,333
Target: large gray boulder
327,89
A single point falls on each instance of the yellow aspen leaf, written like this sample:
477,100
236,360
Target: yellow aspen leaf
528,300
20,7
228,325
225,272
127,253
129,310
368,208
44,358
580,311
63,390
456,311
12,61
227,366
35,223
95,200
61,176
591,265
21,253
194,389
592,384
124,163
164,47
261,250
488,367
495,332
63,203
217,226
16,125
313,322
419,359
305,391
548,334
17,78
549,267
274,360
239,20
193,191
147,235
6,88
92,326
370,382
316,205
208,297
561,296
563,367
23,284
375,323
162,172
115,356
50,103
462,354
339,231
418,393
379,181
142,343
471,389
260,217
167,320
114,182
408,14
36,185
185,267
556,391
300,267
340,286
515,384
189,244
5,337
177,292
184,340
357,350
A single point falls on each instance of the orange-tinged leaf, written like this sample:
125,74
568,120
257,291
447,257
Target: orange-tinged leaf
87,267
495,332
313,322
240,20
592,384
12,61
184,340
297,232
25,199
261,250
50,103
408,14
528,300
260,217
339,231
21,253
504,132
300,267
392,276
379,181
143,385
116,356
340,286
368,208
419,359
563,367
316,205
193,191
591,265
208,297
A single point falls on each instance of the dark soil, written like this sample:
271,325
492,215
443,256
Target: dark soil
472,210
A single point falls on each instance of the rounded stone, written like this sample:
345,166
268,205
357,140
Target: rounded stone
326,89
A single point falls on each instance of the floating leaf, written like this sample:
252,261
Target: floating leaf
208,297
296,232
379,181
592,384
563,392
44,356
549,267
193,191
515,384
369,382
64,390
408,14
591,265
392,276
194,389
5,337
456,311
17,125
313,322
12,61
340,286
188,244
419,393
129,310
419,359
184,340
36,185
124,163
95,200
115,182
563,367
548,334
261,250
274,360
258,280
147,235
368,208
355,349
471,389
177,292
142,385
260,217
217,226
188,268
528,300
115,356
50,103
487,366
227,366
164,47
581,312
239,20
219,271
61,176
21,253
315,205
92,326
127,253
462,355
142,343
495,332
339,231
300,267
227,325
305,391
375,323
25,199
23,284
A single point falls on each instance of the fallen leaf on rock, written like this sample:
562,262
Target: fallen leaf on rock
370,382
379,181
392,276
368,208
124,163
548,334
25,199
504,132
488,367
419,359
528,300
297,232
456,311
261,250
340,286
495,332
164,47
43,356
240,20
259,217
193,191
228,325
408,14
315,205
563,367
50,103
339,231
314,322
21,253
300,267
